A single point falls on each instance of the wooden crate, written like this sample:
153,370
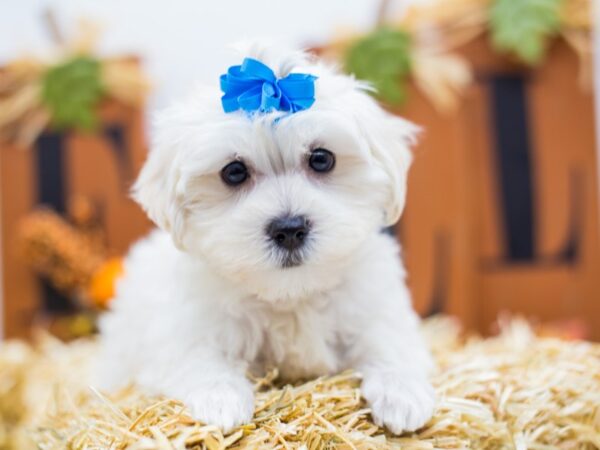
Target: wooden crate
101,166
502,210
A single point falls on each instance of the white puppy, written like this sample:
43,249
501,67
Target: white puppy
271,254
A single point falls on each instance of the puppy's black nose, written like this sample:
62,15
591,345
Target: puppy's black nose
289,232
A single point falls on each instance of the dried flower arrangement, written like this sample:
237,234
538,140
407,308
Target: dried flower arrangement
423,43
63,91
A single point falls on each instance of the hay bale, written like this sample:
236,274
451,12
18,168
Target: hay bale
31,380
514,391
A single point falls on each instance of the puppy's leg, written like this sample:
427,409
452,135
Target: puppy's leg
216,391
395,365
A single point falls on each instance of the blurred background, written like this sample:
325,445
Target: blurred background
503,208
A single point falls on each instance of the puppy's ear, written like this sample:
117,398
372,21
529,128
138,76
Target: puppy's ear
390,139
159,187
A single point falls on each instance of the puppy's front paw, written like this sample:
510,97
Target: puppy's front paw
398,401
225,404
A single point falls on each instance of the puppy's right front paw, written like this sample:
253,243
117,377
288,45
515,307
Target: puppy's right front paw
226,404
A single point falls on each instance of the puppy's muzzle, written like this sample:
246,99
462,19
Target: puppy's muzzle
289,232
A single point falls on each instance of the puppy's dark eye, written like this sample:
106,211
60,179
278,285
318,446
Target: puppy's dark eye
321,160
234,173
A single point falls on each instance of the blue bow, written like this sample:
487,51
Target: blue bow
254,87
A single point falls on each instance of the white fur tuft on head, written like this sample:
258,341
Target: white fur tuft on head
279,58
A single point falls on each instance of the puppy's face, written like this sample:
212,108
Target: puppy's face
278,203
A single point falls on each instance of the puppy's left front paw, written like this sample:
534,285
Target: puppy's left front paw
399,401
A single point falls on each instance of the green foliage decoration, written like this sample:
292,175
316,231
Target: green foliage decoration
382,58
71,91
523,27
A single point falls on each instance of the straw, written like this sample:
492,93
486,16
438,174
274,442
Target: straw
513,391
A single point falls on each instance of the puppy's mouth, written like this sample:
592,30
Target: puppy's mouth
291,259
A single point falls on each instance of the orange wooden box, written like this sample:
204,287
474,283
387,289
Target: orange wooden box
502,210
100,166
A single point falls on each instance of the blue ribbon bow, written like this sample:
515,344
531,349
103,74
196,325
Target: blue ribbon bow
254,87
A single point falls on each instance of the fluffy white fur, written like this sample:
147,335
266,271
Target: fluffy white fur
206,299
